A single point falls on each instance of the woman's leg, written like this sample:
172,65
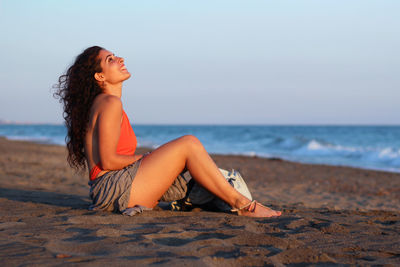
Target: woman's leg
159,169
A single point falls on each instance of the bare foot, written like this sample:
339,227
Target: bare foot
256,209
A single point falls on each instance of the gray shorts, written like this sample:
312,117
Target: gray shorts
111,191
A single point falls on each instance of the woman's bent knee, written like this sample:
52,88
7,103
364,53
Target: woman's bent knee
191,141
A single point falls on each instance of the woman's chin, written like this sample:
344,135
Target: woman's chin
127,76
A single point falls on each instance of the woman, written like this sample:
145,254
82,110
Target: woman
99,135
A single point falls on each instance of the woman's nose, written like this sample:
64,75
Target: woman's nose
121,59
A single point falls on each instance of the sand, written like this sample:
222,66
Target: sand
331,216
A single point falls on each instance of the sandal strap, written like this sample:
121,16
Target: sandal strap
245,206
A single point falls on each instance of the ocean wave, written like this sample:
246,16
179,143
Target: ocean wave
365,156
389,153
365,147
316,146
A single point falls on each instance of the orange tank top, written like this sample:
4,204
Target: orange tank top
126,144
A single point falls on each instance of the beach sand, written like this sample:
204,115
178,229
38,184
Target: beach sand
331,216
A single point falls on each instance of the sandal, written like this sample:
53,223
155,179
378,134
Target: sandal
247,206
251,207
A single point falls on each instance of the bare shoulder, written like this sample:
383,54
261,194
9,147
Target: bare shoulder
106,100
107,103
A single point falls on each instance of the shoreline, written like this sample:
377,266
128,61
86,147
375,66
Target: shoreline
305,163
331,216
144,148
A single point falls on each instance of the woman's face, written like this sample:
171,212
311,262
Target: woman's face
113,69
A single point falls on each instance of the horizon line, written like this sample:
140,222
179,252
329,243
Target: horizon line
4,122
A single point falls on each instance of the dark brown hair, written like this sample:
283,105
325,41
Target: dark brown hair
76,90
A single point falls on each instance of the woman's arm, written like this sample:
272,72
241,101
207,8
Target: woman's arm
109,127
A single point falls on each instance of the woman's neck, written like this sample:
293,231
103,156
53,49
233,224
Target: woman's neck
113,89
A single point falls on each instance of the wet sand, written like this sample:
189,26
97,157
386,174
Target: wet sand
331,216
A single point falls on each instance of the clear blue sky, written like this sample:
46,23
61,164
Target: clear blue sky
212,62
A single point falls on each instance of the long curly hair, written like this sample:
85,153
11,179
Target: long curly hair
76,90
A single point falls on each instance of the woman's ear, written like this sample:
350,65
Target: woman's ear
99,77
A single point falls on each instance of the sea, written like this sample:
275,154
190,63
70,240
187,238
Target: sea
367,147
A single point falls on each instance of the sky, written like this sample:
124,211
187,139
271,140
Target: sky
211,62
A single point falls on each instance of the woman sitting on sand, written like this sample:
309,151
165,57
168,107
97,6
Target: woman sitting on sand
99,133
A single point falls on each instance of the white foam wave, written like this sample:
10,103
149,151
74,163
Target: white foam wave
368,156
315,145
389,153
